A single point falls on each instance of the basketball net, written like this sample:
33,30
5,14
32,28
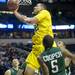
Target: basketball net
25,2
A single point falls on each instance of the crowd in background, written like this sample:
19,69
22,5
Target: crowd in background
28,35
10,51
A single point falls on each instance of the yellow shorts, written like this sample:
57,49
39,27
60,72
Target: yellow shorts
37,49
37,39
32,57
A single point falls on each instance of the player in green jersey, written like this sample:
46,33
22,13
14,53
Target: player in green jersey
68,60
52,57
15,68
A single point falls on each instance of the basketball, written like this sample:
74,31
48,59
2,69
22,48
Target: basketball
12,4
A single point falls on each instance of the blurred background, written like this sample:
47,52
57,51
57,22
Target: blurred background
15,36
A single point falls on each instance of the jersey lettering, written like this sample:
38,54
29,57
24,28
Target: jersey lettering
54,66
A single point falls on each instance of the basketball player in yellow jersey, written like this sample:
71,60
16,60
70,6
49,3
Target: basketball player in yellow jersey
44,27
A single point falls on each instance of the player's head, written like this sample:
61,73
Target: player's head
15,62
60,44
48,41
67,61
39,7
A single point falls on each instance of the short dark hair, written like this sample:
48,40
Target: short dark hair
44,5
48,41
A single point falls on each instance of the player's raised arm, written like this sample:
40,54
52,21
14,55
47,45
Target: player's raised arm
19,16
24,18
13,5
40,13
65,51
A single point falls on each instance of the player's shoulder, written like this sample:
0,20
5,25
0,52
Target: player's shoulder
55,48
45,11
8,72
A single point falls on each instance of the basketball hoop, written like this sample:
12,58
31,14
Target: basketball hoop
25,2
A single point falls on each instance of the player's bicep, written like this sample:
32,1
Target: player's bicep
43,66
31,20
40,60
66,52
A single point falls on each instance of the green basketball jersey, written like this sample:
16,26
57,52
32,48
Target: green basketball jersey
54,60
23,66
13,71
68,70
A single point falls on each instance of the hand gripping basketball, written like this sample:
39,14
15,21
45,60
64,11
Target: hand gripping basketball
13,4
